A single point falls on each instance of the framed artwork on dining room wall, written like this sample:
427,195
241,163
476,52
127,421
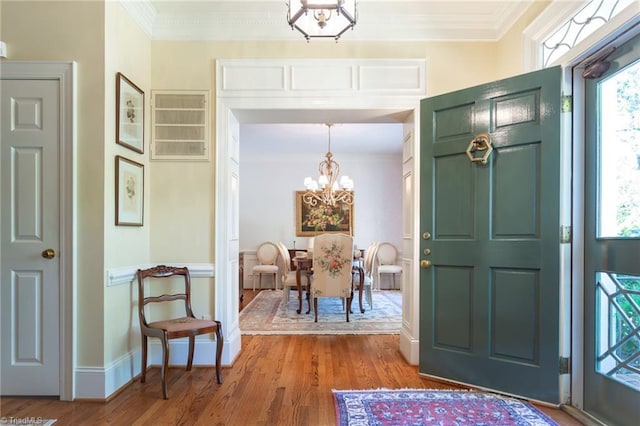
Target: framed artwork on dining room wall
129,114
129,192
322,218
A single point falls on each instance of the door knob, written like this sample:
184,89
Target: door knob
424,264
49,253
426,236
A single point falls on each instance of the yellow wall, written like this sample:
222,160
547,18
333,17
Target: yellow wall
127,50
74,31
179,197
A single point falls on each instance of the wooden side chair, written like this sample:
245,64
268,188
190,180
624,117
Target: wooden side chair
175,327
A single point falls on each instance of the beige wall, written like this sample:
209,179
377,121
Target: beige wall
179,197
51,31
127,50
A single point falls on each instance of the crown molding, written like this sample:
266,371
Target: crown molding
411,20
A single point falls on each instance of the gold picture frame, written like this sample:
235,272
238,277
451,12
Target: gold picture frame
322,219
129,192
129,114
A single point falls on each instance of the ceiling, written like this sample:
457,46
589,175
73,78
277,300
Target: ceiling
378,20
477,20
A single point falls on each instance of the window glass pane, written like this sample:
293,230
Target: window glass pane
619,162
617,337
589,18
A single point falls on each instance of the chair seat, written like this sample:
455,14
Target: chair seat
176,325
272,269
389,269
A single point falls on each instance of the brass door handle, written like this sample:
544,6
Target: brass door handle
425,264
481,143
49,253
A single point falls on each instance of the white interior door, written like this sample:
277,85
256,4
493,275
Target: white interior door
30,233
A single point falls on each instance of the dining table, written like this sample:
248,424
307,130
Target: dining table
304,265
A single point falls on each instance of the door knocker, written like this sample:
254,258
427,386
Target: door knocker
480,144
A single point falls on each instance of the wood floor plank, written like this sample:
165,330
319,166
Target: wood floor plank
276,380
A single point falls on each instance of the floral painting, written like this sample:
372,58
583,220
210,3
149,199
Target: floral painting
322,218
129,192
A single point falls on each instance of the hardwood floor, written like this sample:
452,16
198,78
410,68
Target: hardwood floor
276,380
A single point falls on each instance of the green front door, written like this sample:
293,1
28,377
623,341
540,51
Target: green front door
612,240
489,299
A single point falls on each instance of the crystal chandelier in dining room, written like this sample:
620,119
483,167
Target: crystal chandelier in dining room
322,18
328,189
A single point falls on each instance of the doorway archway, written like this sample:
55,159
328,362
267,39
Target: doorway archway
370,88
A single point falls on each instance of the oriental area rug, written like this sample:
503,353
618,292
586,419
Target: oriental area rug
412,407
267,314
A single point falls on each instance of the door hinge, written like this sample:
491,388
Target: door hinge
565,234
565,365
567,103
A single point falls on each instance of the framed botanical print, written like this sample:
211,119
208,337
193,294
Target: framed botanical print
129,114
129,192
322,218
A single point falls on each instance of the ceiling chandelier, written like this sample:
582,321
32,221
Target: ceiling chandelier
322,18
327,190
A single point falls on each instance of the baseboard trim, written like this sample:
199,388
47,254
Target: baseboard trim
96,383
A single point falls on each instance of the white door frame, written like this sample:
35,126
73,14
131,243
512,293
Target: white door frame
65,74
331,86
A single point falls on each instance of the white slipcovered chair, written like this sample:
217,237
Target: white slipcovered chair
369,258
288,276
267,254
386,256
332,269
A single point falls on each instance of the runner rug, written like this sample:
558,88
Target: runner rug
267,314
412,407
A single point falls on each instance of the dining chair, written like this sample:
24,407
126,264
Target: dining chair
332,269
185,324
369,257
267,254
386,256
289,280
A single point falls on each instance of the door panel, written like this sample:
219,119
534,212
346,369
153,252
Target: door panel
490,300
30,225
612,240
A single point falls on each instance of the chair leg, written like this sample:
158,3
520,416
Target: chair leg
143,373
254,282
165,366
192,342
349,300
315,307
219,344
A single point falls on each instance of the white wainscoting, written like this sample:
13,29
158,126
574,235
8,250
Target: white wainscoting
397,77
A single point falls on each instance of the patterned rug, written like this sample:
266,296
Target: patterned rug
413,407
266,314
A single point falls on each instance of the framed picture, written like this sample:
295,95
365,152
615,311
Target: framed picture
129,192
129,114
322,219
